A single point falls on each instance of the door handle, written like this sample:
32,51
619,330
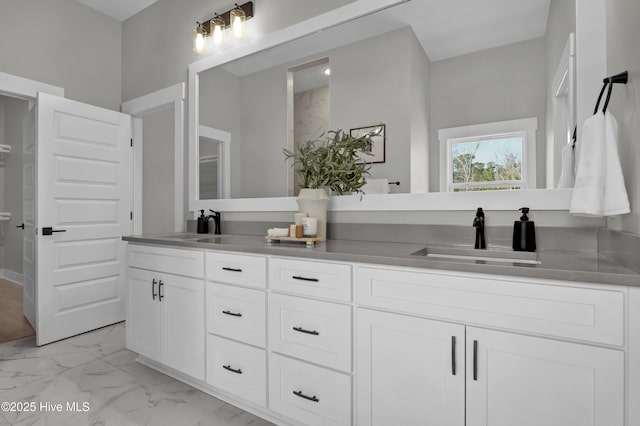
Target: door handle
160,295
226,268
475,360
20,226
49,230
233,314
153,289
453,355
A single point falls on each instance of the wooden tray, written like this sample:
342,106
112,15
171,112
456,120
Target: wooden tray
310,241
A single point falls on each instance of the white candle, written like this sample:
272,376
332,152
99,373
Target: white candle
310,226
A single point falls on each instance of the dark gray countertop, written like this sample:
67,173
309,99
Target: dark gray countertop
559,265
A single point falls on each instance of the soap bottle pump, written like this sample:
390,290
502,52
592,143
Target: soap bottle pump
203,223
524,233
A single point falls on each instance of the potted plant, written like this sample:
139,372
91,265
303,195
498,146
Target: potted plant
331,163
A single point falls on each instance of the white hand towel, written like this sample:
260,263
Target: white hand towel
278,232
599,189
566,175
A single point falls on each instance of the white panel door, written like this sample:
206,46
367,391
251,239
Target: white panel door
84,195
528,381
410,371
29,216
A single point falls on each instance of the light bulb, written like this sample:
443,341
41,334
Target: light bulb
218,31
199,39
237,18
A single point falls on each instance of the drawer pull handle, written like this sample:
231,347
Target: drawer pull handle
302,330
453,355
160,295
310,398
475,360
233,370
233,314
225,268
153,289
297,277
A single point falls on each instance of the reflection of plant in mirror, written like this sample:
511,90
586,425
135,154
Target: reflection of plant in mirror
332,162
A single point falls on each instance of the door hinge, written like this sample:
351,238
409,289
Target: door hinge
130,215
131,142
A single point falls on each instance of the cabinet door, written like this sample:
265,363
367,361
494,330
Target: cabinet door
529,381
183,308
143,314
410,371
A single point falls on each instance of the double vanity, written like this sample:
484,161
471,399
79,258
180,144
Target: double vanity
353,332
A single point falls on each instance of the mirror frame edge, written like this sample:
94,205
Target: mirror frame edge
589,14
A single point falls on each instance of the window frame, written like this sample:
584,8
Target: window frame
526,127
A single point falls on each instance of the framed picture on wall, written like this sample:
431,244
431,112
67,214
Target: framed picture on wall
379,141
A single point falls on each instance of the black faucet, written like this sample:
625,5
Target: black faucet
216,219
478,223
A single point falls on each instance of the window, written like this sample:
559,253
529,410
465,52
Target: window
489,156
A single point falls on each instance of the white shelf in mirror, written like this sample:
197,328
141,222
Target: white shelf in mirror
536,199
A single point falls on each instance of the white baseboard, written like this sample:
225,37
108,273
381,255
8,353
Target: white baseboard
12,276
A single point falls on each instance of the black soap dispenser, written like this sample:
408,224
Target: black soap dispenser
524,233
203,223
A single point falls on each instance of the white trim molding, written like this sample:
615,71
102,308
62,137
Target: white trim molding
19,87
169,97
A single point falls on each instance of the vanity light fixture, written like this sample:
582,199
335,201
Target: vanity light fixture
327,71
215,28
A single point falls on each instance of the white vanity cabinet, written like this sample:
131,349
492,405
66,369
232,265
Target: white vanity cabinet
310,337
410,371
236,305
302,341
165,312
405,364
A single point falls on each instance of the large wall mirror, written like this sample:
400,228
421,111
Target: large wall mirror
417,67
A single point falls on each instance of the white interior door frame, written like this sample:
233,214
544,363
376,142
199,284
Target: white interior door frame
23,88
138,108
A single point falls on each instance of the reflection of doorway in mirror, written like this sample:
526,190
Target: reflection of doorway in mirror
308,106
214,147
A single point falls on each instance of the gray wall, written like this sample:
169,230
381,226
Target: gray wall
14,110
368,89
623,34
158,172
63,43
503,83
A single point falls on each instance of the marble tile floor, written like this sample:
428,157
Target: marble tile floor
97,373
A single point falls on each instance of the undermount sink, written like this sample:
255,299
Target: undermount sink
484,255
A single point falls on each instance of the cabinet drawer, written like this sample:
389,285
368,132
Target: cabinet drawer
309,394
237,368
589,314
237,269
311,330
237,313
189,263
310,278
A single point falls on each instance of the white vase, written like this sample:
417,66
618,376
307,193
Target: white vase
313,202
